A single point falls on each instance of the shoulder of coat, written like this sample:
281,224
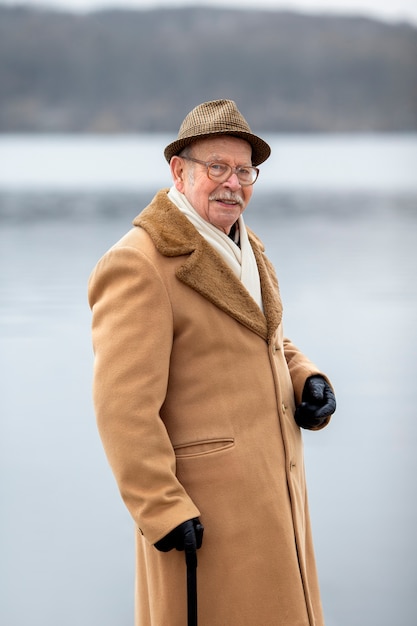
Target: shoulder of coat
171,232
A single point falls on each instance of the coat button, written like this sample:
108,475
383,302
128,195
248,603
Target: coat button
283,407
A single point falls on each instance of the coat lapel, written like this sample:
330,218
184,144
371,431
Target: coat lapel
205,271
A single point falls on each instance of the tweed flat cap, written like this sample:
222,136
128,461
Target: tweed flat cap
218,117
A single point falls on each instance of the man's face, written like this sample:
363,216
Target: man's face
220,204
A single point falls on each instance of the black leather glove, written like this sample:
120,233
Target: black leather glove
187,536
318,402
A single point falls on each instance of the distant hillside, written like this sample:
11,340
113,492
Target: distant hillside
122,71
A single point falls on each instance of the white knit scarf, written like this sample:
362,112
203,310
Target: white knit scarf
240,259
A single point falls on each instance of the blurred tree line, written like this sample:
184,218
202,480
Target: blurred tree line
141,71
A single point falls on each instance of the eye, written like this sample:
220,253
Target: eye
245,173
218,169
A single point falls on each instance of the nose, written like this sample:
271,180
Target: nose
233,181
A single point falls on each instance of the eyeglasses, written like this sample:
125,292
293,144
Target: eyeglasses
220,172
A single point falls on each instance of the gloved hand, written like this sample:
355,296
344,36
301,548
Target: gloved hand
187,536
318,402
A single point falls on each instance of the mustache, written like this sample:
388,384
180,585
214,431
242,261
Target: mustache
226,196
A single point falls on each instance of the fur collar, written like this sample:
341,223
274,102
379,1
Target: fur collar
205,271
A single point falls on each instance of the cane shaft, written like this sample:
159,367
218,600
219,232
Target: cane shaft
191,560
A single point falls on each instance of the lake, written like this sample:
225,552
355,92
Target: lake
338,216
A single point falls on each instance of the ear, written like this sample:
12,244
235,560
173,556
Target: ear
177,172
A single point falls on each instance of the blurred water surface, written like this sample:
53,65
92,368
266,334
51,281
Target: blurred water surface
346,259
381,163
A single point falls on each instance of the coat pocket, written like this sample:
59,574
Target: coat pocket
203,447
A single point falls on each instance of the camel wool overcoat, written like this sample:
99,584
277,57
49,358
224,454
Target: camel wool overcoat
194,390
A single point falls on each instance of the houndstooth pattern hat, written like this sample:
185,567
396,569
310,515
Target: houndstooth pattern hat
218,117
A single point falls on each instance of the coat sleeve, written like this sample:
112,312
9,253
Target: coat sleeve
132,332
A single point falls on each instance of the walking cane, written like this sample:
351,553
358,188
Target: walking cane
188,536
192,543
191,562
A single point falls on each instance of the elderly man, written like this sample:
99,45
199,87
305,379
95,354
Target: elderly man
199,397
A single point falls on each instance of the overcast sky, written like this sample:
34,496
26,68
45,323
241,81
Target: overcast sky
385,9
